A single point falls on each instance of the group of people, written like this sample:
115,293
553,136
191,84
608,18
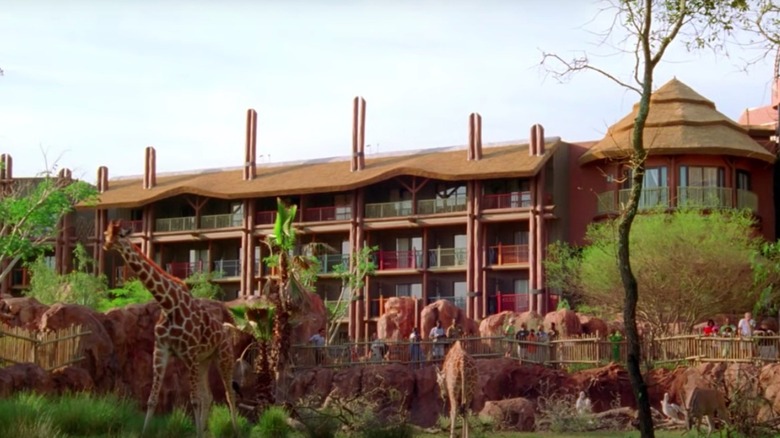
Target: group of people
746,327
524,335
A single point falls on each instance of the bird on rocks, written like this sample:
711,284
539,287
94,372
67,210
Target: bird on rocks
671,410
583,404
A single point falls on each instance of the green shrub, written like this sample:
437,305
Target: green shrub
374,428
177,424
221,426
77,287
317,424
87,415
132,292
272,423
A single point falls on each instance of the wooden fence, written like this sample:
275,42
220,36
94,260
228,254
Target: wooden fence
590,350
49,350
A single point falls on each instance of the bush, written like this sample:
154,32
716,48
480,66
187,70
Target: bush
77,287
132,292
86,415
221,426
272,423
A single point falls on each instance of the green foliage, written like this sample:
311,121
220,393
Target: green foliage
132,292
255,319
688,266
30,213
376,428
563,305
562,270
77,287
363,265
220,425
202,285
272,424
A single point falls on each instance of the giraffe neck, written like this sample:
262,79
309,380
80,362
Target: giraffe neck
166,289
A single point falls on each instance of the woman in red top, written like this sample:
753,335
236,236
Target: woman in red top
710,329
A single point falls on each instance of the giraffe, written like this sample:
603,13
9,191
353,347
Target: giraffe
185,330
457,379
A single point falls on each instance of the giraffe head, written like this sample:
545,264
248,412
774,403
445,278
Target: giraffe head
113,232
441,379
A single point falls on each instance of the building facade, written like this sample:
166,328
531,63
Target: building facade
468,225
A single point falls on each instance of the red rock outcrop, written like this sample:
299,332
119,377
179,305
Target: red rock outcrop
397,321
592,326
25,377
567,322
445,311
493,325
21,312
514,414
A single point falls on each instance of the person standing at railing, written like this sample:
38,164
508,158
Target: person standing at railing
615,338
509,334
415,352
438,336
378,348
318,340
745,328
521,336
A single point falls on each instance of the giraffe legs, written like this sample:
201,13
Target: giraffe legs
159,362
226,364
453,417
199,386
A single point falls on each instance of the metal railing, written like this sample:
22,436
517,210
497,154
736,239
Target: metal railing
212,221
653,197
506,200
184,269
323,214
704,197
228,268
387,260
389,209
747,199
175,224
441,205
446,257
507,254
134,226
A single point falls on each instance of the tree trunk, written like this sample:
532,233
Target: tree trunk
264,387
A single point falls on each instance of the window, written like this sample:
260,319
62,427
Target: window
409,290
655,188
743,180
702,187
521,286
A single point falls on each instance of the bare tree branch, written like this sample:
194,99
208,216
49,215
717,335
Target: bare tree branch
580,64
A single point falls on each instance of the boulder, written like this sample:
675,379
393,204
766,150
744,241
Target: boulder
397,321
21,312
97,347
567,322
445,311
72,379
531,319
25,377
514,414
593,326
493,325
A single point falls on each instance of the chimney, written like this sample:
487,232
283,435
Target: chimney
250,150
6,167
150,168
358,134
102,179
536,146
475,137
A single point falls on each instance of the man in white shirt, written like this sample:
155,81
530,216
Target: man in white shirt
438,335
745,325
318,339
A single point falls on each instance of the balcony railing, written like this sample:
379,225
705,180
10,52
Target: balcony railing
446,257
704,197
213,221
228,268
459,302
323,214
184,269
133,226
269,216
512,302
747,199
387,260
507,254
175,224
507,200
389,209
441,205
329,261
653,197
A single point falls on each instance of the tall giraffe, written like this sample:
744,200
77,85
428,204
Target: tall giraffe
185,329
457,379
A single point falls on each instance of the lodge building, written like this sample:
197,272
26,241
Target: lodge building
467,224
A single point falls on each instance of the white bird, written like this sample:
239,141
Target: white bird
671,410
583,404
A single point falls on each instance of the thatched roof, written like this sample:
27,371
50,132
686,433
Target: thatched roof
681,121
324,176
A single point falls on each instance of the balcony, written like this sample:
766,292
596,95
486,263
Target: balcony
511,302
654,197
267,217
446,257
184,269
501,254
175,224
389,260
228,268
506,200
388,209
213,221
328,262
441,205
133,226
747,199
324,214
459,302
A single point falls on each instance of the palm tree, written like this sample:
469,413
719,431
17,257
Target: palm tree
257,319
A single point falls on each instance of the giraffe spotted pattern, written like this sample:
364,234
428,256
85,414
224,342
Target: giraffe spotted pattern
185,329
457,380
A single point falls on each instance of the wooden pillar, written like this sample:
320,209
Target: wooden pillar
471,241
532,242
479,244
361,309
541,298
247,286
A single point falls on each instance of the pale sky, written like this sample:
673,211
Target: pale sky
92,83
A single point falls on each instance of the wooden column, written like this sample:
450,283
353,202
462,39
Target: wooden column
541,299
479,245
471,242
361,309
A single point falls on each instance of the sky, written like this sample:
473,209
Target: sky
92,83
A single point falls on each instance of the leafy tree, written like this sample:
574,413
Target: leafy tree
201,285
257,319
689,266
77,287
132,292
30,211
353,277
649,27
